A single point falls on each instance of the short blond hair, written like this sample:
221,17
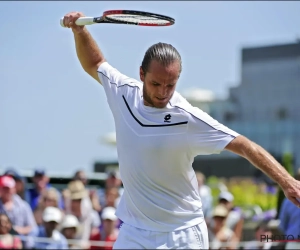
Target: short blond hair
50,193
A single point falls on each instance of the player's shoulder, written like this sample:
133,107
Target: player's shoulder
106,68
112,75
181,103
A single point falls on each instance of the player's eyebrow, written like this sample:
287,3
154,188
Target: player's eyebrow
155,82
159,83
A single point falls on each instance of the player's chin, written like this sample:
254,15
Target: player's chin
161,103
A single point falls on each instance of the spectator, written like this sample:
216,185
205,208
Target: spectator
205,194
80,175
94,201
49,198
80,206
52,216
8,241
90,200
218,232
17,210
113,180
109,231
69,227
20,183
41,184
111,195
235,220
261,232
289,216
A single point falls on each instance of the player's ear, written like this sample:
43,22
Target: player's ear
142,75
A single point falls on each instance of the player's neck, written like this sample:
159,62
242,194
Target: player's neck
148,104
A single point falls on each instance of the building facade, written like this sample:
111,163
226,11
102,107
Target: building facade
265,106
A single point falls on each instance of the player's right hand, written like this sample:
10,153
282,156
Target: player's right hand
70,19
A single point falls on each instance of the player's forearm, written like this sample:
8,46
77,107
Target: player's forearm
88,51
260,158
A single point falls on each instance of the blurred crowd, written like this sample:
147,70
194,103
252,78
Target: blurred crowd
62,219
78,217
225,222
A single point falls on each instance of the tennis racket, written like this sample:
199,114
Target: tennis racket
132,17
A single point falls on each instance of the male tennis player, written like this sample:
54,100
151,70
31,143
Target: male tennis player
158,135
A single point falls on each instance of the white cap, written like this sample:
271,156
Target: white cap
226,196
69,221
108,213
52,214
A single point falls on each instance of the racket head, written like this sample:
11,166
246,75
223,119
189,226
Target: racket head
140,18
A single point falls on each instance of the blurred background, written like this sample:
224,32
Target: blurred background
241,65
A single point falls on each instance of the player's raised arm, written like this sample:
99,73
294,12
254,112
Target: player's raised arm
88,52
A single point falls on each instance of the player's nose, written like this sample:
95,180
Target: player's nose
162,92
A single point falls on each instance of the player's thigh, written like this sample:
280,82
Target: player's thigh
197,237
130,238
202,231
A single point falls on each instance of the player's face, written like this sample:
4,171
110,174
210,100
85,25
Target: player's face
159,83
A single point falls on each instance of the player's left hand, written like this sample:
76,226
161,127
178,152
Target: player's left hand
292,191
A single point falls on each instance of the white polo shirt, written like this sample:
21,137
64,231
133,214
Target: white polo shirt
156,149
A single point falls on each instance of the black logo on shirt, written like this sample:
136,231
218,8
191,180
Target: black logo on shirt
167,118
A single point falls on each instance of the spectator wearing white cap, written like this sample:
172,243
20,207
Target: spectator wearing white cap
52,216
109,232
17,210
48,198
68,228
235,220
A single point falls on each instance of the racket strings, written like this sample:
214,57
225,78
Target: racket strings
138,19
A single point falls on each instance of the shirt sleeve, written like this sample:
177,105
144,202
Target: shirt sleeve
112,80
206,135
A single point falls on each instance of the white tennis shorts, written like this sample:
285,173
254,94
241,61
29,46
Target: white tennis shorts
195,237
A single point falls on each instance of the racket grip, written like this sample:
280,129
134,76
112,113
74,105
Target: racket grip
80,21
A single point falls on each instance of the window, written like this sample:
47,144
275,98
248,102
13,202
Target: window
229,116
282,114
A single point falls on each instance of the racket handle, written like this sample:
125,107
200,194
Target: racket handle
80,21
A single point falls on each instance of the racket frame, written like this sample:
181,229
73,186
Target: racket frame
106,19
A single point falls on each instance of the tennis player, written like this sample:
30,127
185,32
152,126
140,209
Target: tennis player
158,135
